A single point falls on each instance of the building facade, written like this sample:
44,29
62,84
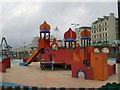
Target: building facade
35,41
105,29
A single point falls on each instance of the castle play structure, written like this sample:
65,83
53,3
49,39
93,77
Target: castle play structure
81,59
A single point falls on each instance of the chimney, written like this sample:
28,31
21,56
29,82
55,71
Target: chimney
111,14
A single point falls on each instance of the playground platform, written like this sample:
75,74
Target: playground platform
32,75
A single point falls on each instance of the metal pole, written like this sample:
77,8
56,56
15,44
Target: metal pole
119,19
118,37
75,25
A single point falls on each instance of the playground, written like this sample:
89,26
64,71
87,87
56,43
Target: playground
72,65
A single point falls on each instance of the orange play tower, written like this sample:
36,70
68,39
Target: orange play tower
80,58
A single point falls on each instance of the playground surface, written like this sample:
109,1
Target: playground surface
32,75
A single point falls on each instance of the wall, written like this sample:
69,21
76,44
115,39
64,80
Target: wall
99,65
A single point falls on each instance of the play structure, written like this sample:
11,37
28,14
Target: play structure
80,58
5,62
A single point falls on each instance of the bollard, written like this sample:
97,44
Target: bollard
9,88
81,88
25,88
17,88
34,88
71,88
52,88
43,88
62,88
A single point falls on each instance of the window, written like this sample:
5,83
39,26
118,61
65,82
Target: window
105,28
105,34
95,36
100,35
98,25
94,31
106,40
99,30
105,23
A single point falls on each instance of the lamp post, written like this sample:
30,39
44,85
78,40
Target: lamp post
118,38
77,32
75,25
119,19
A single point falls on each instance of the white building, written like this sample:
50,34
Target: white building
35,42
105,29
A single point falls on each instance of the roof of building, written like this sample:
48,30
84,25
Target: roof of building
85,27
104,18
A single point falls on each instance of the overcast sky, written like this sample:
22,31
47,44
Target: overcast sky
20,21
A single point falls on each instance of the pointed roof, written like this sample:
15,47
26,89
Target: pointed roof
44,26
85,33
70,34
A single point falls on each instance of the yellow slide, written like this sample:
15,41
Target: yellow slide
36,52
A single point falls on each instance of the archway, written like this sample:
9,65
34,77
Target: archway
80,70
105,50
96,50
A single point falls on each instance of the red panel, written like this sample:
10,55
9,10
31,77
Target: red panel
25,59
110,70
85,32
7,62
47,43
79,66
70,34
2,67
66,35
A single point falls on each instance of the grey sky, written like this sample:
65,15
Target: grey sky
21,21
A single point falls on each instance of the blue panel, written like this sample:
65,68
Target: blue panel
70,39
47,49
6,84
44,31
23,64
85,37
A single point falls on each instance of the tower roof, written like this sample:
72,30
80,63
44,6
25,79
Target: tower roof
85,33
44,27
70,35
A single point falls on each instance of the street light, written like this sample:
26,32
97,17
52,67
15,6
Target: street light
75,25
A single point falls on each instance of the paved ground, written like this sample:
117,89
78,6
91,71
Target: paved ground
32,75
